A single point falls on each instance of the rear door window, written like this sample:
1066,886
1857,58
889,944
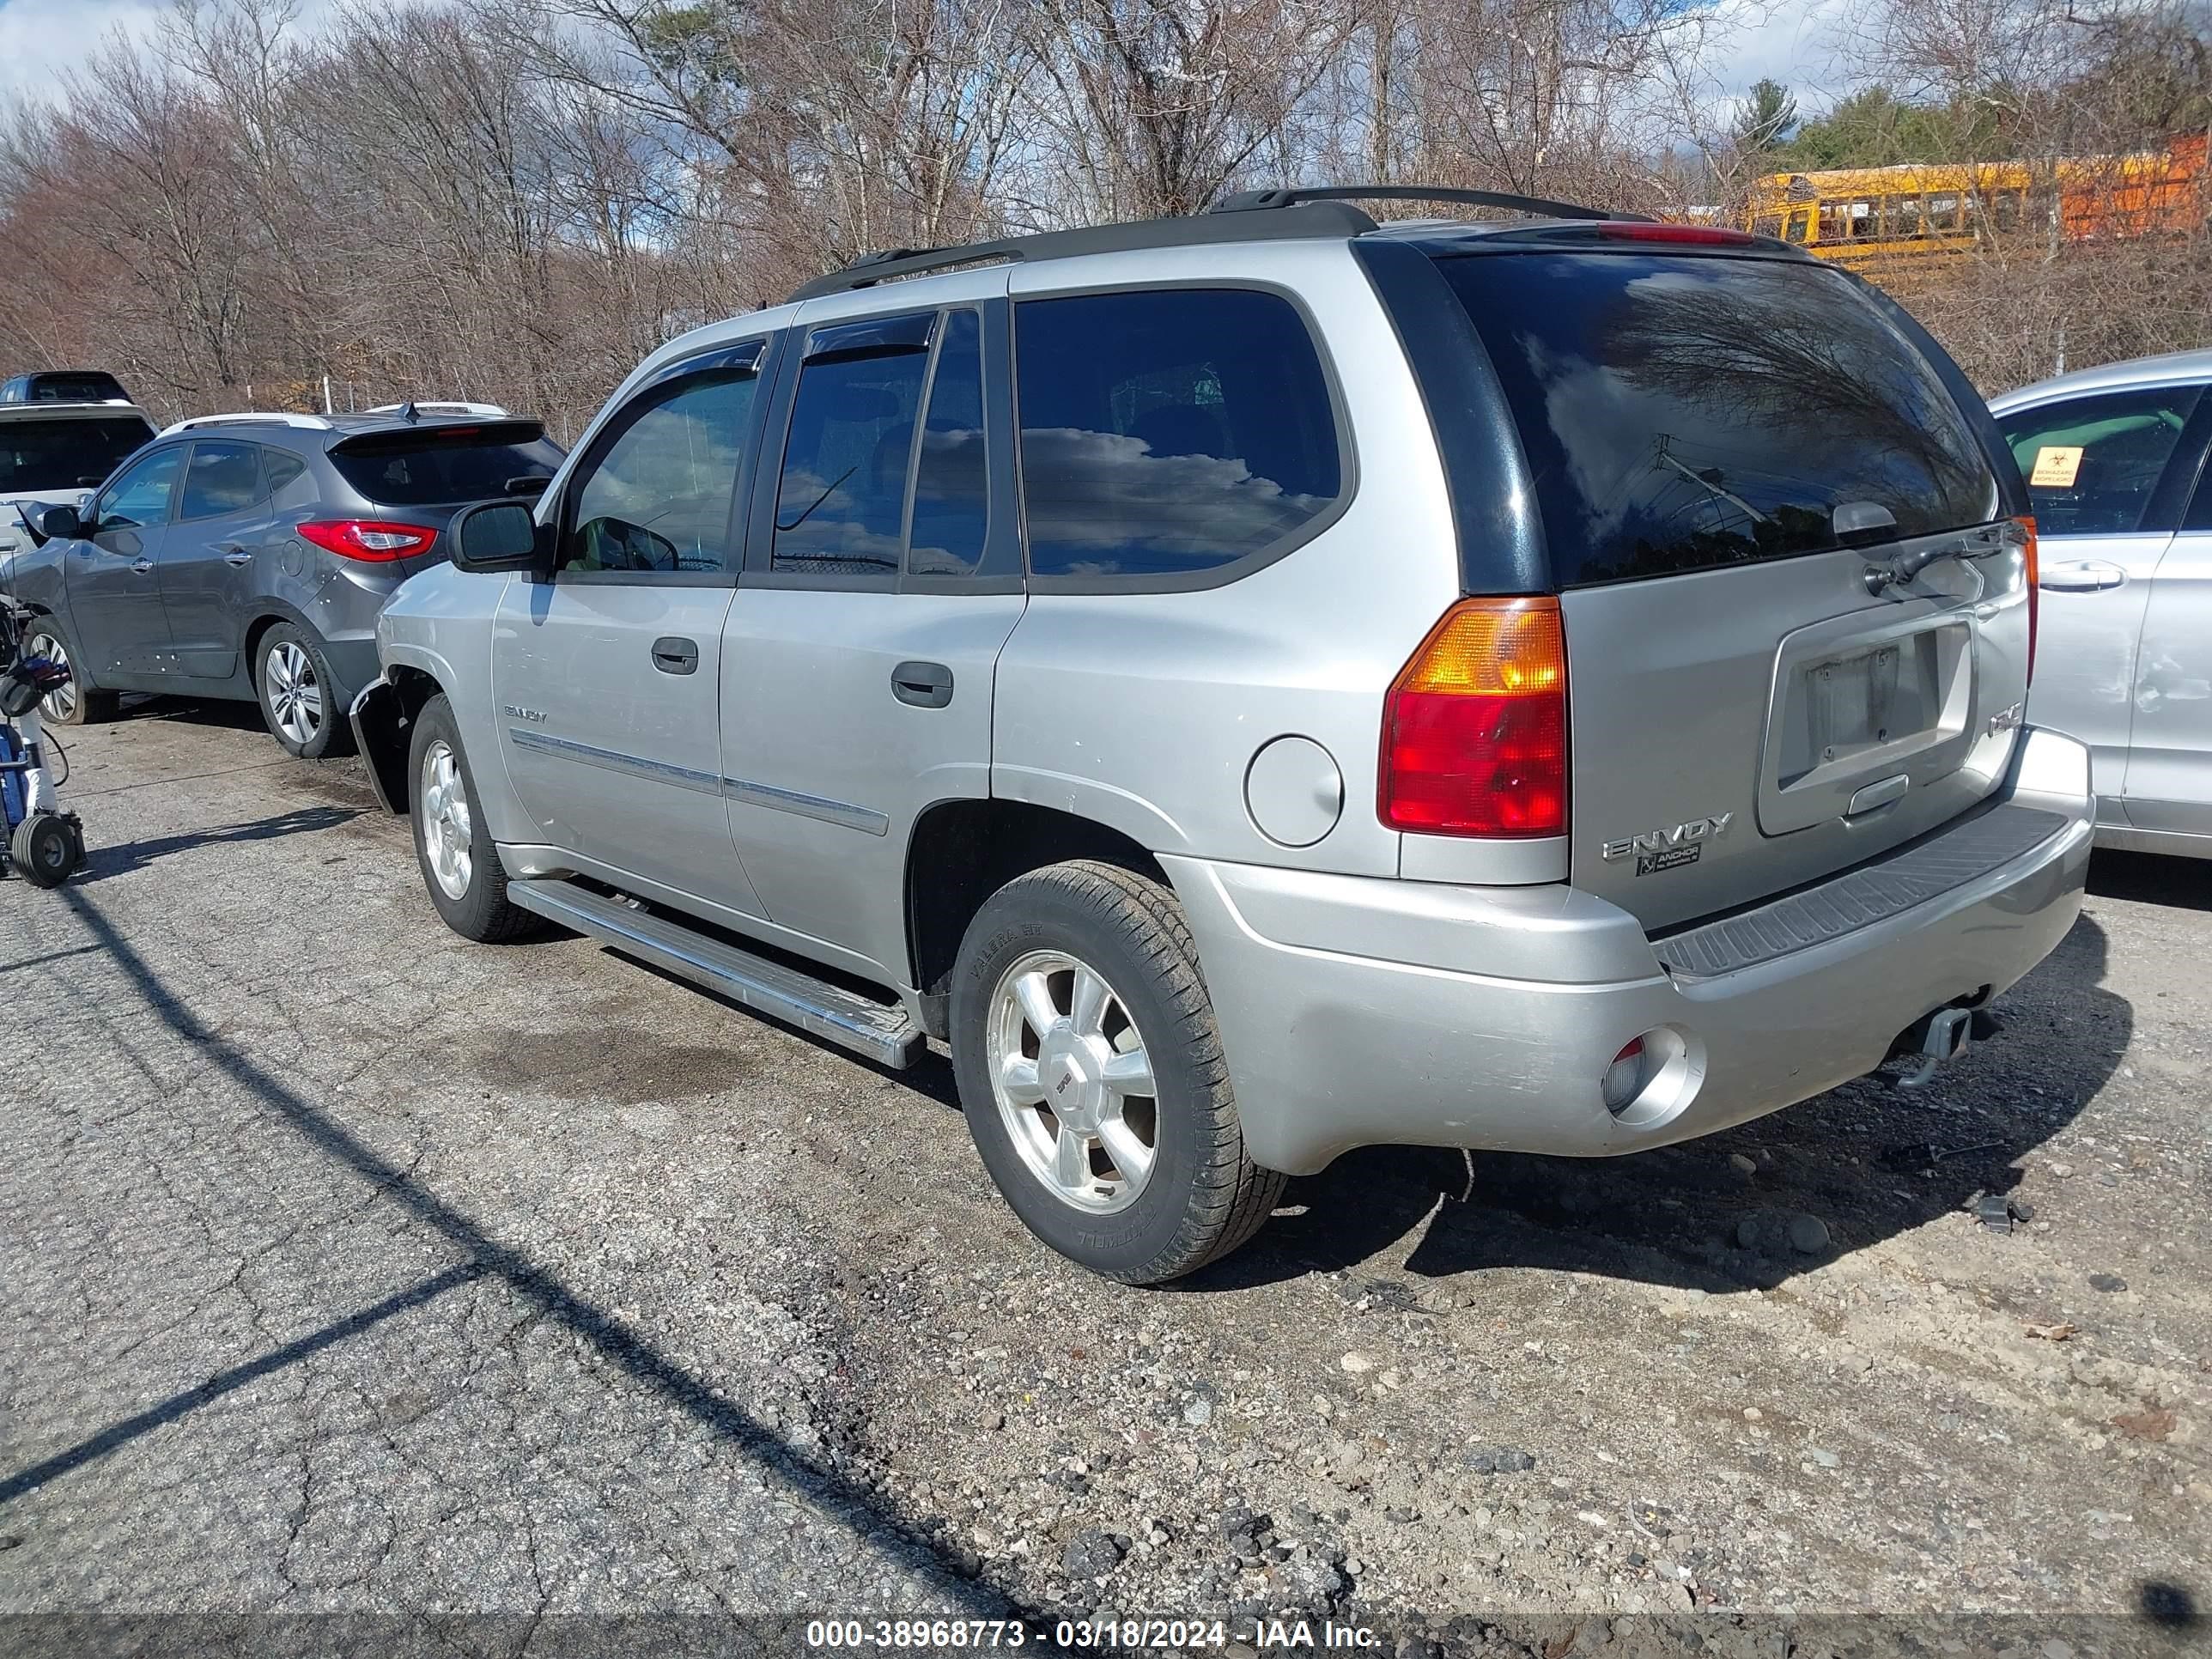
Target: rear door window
1169,433
1683,413
223,477
951,498
841,502
440,466
2092,463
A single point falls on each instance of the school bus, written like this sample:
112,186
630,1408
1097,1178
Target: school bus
1919,211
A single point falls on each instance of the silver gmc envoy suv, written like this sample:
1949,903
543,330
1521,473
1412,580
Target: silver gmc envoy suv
1268,682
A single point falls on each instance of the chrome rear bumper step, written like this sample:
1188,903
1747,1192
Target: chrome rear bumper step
882,1031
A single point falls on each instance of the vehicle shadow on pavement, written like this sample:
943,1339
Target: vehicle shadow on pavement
1866,1162
103,862
237,716
2152,879
823,1490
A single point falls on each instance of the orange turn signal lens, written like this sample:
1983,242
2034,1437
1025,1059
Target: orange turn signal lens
1475,728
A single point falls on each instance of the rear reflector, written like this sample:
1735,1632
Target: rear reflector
1475,728
373,541
1624,1079
2028,565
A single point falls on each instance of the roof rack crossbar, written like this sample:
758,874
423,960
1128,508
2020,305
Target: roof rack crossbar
280,418
1318,218
1251,201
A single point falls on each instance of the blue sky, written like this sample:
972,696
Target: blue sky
1787,39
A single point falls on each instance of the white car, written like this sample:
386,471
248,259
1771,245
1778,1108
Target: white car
2115,463
54,453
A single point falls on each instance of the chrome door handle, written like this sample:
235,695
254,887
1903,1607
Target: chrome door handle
143,567
2083,576
233,554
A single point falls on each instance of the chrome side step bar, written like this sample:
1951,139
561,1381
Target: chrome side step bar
882,1031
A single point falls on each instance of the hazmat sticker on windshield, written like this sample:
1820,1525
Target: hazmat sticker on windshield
2056,465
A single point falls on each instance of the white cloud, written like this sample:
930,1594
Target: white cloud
1793,41
40,39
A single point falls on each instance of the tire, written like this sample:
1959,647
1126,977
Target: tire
1195,1195
45,849
298,697
460,866
77,703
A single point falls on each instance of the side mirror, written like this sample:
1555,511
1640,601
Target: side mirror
530,484
498,536
60,524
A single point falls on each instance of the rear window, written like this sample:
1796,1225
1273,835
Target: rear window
1680,414
63,455
75,389
1169,433
436,467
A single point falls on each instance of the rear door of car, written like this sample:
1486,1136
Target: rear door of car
606,679
2098,467
2169,777
223,522
882,576
114,580
1723,444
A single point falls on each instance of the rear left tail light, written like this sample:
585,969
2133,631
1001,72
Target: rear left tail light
373,541
1475,728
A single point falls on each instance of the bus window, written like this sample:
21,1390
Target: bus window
2004,209
1905,216
1943,212
1801,222
1766,224
1864,221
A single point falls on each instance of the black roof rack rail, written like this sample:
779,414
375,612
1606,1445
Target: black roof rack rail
1317,218
1321,210
1254,200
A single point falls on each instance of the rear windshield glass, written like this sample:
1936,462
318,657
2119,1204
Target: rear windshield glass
434,468
1682,413
65,455
76,389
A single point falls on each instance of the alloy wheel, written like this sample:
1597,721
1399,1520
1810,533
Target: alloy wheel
447,832
60,704
295,696
1073,1081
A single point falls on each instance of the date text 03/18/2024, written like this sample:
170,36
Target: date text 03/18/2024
1079,1635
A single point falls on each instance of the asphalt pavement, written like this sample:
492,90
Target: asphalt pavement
366,1290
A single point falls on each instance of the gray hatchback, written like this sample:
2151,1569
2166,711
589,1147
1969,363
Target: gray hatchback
247,555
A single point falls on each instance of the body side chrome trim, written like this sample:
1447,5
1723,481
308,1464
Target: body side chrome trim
683,777
843,814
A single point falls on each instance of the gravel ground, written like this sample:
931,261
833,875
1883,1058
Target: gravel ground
351,1269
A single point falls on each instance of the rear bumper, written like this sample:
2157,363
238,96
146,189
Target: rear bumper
1357,1012
353,665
